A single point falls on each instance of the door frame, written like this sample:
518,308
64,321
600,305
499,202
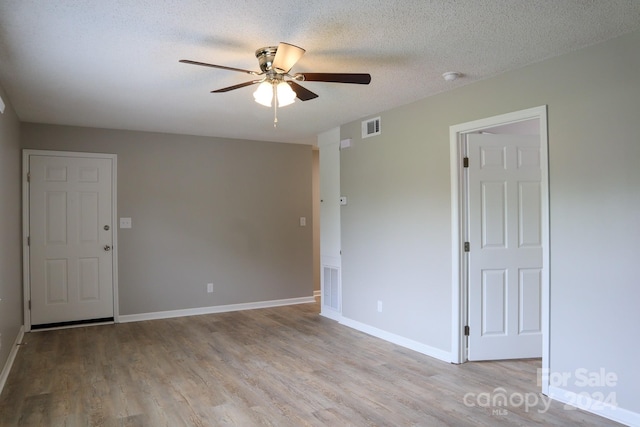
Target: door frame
26,279
460,300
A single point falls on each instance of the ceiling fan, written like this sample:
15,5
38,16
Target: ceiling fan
277,86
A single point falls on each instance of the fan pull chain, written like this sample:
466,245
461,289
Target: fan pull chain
275,116
275,107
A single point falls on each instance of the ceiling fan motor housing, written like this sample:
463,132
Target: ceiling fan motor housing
265,57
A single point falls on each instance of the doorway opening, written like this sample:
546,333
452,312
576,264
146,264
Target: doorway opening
526,122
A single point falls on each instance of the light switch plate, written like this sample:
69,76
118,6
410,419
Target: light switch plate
125,223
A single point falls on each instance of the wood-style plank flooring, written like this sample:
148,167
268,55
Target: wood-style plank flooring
284,366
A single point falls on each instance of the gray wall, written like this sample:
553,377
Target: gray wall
10,230
396,229
203,210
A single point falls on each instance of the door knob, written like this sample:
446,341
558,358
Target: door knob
107,248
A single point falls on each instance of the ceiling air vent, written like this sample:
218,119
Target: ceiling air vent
371,127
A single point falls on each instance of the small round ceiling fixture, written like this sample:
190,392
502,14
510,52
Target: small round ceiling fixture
451,75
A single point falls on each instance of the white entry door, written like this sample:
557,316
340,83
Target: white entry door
505,247
71,235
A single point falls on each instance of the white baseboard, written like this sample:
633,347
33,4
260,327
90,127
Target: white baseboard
397,339
588,404
330,314
126,318
317,293
12,357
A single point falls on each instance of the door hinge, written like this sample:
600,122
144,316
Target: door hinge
465,162
467,247
466,331
29,304
28,240
28,176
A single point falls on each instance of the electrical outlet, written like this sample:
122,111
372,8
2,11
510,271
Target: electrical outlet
379,306
209,287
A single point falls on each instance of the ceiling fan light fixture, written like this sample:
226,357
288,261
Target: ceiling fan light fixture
278,88
286,95
264,94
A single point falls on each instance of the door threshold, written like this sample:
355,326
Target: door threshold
73,324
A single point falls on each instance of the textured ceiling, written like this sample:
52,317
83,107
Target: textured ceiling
114,64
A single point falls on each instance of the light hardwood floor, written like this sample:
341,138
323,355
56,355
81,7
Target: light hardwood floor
284,366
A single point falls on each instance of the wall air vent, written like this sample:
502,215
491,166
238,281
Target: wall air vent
331,287
371,127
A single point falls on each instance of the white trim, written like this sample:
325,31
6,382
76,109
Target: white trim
114,244
458,310
26,280
587,404
330,314
397,339
317,293
126,318
12,357
459,299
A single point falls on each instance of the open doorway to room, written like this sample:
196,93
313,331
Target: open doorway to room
500,222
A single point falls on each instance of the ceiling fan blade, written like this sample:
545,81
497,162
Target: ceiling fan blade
302,93
357,78
186,61
286,55
238,86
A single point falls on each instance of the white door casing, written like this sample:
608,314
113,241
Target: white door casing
70,259
505,242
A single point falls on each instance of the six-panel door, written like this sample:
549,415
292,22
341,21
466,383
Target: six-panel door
70,226
505,258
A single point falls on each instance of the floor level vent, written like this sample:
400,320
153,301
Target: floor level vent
331,287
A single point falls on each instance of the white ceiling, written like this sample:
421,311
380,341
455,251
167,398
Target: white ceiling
114,64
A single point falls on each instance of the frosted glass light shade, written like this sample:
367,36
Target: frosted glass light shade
264,94
286,95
